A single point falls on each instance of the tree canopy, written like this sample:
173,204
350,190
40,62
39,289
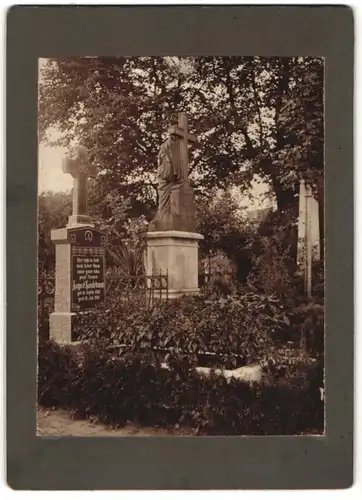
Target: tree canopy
252,115
53,212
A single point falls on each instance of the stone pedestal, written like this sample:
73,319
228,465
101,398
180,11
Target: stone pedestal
61,327
79,221
175,253
60,321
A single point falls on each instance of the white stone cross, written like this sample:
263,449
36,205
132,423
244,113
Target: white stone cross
79,167
181,130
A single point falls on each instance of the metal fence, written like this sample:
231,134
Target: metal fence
147,289
46,292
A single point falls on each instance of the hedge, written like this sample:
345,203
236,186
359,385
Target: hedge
237,330
114,390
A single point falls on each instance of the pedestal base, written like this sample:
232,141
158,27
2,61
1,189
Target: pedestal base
79,220
61,324
175,253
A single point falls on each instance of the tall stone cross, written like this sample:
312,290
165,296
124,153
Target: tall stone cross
181,130
79,167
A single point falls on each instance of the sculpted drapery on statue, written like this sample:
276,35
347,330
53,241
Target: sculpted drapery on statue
176,206
169,172
172,240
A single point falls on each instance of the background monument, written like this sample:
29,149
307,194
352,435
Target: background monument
309,250
172,240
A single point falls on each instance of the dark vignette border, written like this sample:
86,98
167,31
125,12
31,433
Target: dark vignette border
167,462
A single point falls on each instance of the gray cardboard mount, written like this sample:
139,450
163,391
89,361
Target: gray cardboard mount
69,463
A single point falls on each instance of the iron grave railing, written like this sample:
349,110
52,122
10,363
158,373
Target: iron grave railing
148,289
46,293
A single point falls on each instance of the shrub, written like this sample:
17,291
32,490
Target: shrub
94,384
273,270
218,276
291,366
235,330
219,285
225,230
126,249
57,367
308,326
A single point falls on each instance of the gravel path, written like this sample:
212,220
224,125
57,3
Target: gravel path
58,423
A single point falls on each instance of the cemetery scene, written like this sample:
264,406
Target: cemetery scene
181,246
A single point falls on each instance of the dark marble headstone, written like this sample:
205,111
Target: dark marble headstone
88,285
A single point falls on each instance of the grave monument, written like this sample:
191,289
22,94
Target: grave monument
308,234
172,240
78,166
79,254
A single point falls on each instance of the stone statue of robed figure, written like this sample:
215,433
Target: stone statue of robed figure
176,205
172,240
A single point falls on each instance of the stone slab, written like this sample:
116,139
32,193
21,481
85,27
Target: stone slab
249,373
174,234
61,235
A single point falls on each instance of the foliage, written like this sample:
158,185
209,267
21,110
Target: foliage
108,208
288,365
126,249
302,115
308,326
218,284
129,261
235,331
253,116
273,270
94,384
217,276
55,363
267,105
53,212
126,236
225,230
318,280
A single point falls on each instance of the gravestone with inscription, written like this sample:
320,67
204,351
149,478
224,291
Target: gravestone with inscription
87,268
79,256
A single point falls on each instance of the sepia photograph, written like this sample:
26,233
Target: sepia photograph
181,246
